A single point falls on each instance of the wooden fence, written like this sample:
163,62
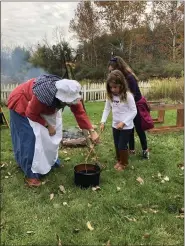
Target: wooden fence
90,91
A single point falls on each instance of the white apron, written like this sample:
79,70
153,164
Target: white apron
46,146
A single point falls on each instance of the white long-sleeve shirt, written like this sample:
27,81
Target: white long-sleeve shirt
121,111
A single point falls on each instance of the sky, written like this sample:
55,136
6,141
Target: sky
28,23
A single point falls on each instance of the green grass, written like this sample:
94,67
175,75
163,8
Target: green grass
25,209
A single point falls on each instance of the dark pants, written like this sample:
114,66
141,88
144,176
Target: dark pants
121,138
140,133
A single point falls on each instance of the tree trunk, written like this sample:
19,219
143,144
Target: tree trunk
130,50
174,48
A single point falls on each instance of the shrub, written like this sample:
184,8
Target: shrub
171,88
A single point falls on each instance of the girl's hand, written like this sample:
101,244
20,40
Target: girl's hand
51,130
94,137
120,126
102,127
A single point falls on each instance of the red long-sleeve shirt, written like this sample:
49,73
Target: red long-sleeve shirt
24,102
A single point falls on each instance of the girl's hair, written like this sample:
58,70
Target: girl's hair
116,77
118,63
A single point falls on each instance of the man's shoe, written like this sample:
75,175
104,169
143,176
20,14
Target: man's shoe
33,182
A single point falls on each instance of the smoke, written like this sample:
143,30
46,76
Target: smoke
33,72
15,66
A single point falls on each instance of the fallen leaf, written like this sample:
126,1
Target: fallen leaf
159,175
9,173
2,165
51,196
89,205
6,177
65,204
163,181
76,230
166,178
130,219
30,232
132,167
89,226
181,166
181,216
67,159
108,243
145,211
62,189
59,241
140,180
181,210
64,151
96,188
153,210
118,188
43,183
146,235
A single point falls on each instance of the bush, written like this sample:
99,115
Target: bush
159,69
171,88
85,72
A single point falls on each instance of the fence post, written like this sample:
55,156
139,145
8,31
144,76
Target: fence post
84,91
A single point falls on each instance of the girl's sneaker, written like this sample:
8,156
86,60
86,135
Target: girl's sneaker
145,154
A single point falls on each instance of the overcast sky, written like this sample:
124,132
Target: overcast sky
27,23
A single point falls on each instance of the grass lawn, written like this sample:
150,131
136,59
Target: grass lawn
136,214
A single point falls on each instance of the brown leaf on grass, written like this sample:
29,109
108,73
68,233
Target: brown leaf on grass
89,226
76,230
181,216
166,178
59,242
140,180
108,243
146,235
130,219
181,210
44,182
62,189
51,196
65,204
159,175
181,166
153,211
96,188
30,232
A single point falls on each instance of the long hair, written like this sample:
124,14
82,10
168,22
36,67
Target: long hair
118,63
116,77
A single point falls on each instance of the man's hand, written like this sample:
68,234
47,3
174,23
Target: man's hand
102,127
51,130
94,137
120,126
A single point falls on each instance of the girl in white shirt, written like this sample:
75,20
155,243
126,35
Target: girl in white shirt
123,107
